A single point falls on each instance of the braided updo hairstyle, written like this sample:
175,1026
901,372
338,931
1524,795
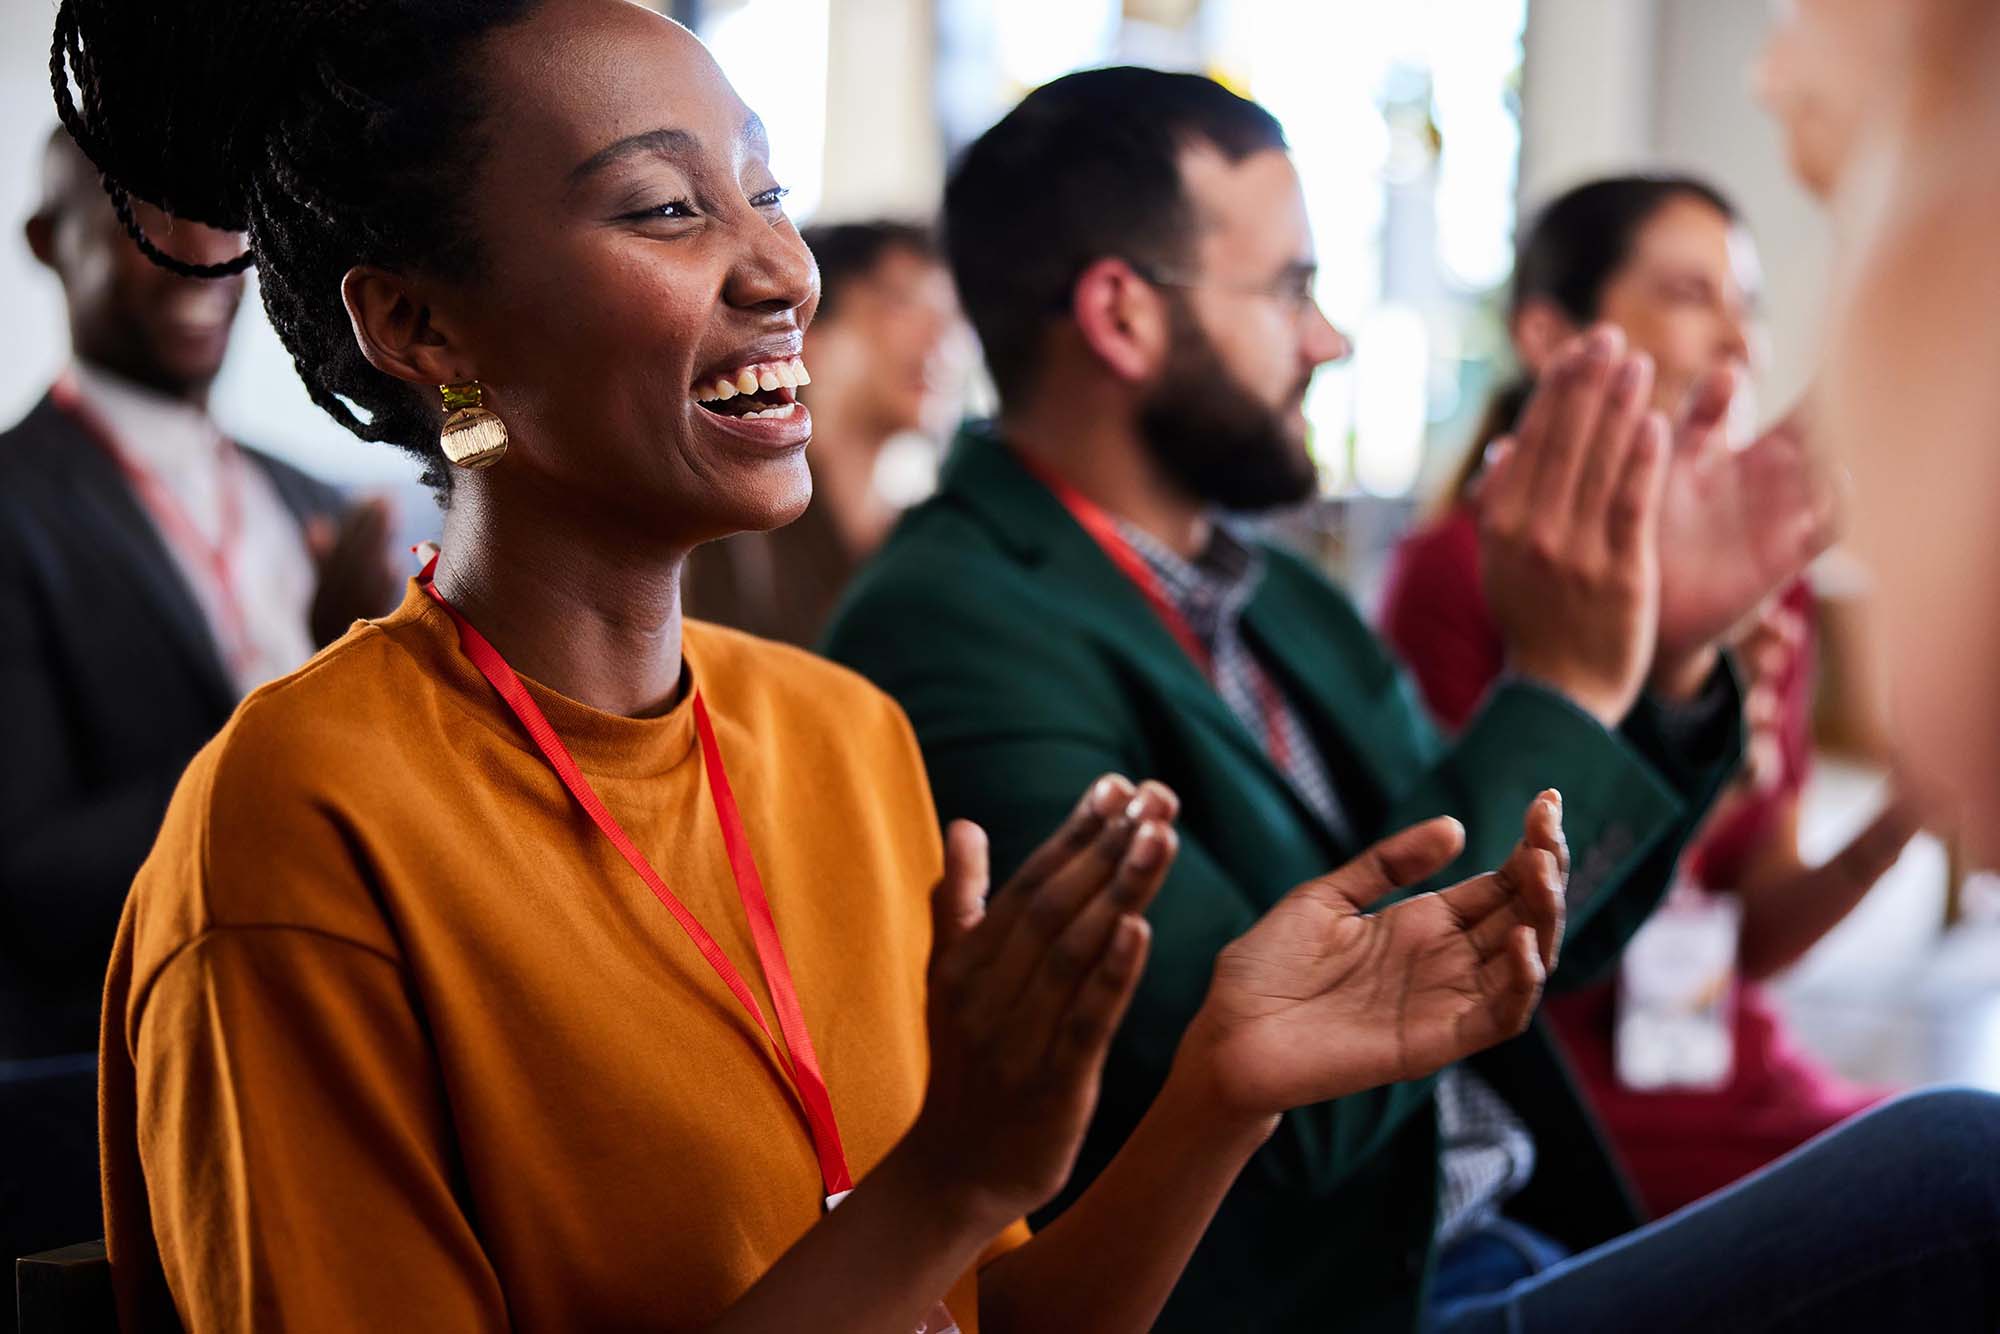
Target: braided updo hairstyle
331,132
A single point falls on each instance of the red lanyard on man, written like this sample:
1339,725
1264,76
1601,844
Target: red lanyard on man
1103,529
794,1047
217,559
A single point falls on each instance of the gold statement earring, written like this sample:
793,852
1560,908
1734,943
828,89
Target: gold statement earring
473,434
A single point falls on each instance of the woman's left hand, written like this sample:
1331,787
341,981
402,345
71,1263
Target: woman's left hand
1322,999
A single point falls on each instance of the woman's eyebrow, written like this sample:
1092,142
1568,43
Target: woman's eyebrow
668,143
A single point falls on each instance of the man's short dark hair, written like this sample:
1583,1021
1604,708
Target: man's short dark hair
850,250
1085,168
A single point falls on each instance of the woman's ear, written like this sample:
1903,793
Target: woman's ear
396,332
1122,319
1539,328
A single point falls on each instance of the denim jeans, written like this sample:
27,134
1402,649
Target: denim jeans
1889,1222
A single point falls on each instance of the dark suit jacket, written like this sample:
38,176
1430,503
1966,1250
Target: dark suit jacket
111,682
1029,665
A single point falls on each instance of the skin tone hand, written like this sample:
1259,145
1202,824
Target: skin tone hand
1323,998
1739,524
1025,994
1318,1000
357,578
1569,528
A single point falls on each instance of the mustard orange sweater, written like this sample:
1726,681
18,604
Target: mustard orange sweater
395,1040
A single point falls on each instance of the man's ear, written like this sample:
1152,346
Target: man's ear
1539,329
1123,319
394,325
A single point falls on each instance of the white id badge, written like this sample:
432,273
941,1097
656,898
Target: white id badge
1675,984
938,1319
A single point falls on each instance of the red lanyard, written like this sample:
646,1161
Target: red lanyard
215,559
795,1051
1103,529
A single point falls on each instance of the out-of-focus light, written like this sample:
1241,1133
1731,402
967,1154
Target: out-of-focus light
751,40
1392,373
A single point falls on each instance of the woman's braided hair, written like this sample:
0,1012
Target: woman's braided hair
331,132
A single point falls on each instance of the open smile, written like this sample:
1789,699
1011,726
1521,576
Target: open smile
758,401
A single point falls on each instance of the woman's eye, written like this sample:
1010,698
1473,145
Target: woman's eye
771,198
678,208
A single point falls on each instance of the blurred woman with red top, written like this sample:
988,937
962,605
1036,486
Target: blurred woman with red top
1665,259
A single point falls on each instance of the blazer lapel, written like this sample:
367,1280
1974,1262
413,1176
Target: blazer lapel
983,476
118,529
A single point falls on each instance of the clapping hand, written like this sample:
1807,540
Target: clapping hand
1323,998
357,579
1736,523
1569,528
1025,994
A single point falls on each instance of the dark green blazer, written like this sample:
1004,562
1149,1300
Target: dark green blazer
1029,665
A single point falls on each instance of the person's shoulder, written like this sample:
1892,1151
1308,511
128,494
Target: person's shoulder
784,684
342,708
43,438
264,830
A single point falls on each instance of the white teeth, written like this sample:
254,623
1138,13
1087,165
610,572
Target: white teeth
765,378
784,411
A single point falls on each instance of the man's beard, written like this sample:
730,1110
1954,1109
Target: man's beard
1215,439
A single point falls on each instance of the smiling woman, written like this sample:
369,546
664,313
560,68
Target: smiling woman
531,959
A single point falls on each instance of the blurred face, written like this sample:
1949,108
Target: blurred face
1226,416
1687,297
1820,68
127,313
893,344
640,313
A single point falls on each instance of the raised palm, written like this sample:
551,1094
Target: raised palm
1321,998
1735,525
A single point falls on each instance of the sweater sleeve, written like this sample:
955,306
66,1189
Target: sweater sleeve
292,1059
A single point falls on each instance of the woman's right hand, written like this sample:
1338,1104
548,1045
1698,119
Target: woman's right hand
1025,996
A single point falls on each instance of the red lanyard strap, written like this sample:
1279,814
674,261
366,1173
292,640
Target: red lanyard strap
795,1053
1103,529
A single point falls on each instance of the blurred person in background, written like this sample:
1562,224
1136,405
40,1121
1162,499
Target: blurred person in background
1905,99
152,572
1133,250
1665,259
885,363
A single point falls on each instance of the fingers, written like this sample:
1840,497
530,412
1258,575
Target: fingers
1633,525
1579,402
1077,951
1099,803
1102,1000
320,534
1510,470
1538,875
1527,890
1510,981
959,901
1617,431
364,528
1399,860
1028,922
